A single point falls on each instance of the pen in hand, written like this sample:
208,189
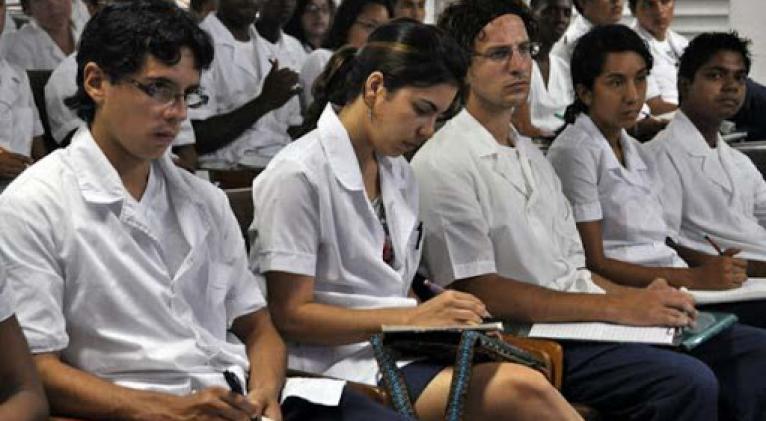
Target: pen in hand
715,246
233,381
438,289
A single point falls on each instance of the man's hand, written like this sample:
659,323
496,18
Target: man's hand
212,404
721,272
12,164
656,305
280,85
266,403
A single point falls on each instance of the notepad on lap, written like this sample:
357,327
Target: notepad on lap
752,289
604,332
456,328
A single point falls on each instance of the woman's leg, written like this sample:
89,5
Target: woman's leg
503,391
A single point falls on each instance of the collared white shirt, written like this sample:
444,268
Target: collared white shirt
479,218
62,120
31,48
624,198
312,67
564,47
19,119
234,79
548,104
82,261
6,299
666,56
313,218
709,191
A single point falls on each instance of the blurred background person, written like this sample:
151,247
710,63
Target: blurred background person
311,22
47,39
413,9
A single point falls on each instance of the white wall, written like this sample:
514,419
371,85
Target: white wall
747,17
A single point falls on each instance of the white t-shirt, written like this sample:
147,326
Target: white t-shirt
708,191
313,218
86,268
624,198
481,217
548,104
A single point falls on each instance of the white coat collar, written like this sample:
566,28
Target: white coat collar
684,135
340,153
632,158
223,39
577,29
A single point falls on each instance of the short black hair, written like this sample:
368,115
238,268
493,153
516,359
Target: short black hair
346,16
590,54
706,45
120,37
464,19
632,5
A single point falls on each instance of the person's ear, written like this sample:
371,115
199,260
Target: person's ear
95,82
374,88
584,94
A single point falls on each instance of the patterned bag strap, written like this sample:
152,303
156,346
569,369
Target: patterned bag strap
392,378
461,376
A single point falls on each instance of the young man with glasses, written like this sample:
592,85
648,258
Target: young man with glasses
498,226
130,274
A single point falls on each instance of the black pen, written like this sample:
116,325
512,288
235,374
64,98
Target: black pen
715,246
438,289
233,381
420,235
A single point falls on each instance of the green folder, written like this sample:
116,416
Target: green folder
709,324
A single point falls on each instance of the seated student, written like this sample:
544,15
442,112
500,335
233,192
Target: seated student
21,132
550,89
353,22
129,272
709,188
413,9
47,39
252,85
21,395
311,22
64,122
336,228
497,225
590,13
616,204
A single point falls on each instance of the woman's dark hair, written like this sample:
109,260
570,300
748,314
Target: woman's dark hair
120,37
464,19
704,46
294,26
590,54
346,16
407,52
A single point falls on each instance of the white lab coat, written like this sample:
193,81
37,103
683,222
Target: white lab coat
564,47
312,67
19,119
62,120
6,299
313,218
666,59
489,209
624,198
79,256
31,48
548,104
232,81
714,191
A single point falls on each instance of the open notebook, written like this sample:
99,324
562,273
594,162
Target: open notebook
498,326
752,289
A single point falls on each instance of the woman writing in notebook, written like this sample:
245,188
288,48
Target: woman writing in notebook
604,174
337,234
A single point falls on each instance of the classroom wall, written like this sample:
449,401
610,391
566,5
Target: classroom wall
747,17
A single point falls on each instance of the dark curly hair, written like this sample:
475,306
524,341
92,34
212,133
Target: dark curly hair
346,16
706,45
121,36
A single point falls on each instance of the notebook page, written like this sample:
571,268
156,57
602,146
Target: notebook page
603,332
752,289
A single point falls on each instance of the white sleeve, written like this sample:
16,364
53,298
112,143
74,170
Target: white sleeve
457,242
6,299
577,169
285,231
37,125
61,85
34,269
310,71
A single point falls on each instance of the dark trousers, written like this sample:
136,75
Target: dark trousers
640,382
751,313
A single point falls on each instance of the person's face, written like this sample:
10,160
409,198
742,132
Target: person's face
496,81
51,13
240,13
553,18
316,17
618,92
414,9
279,11
131,121
401,121
718,89
602,12
655,16
372,16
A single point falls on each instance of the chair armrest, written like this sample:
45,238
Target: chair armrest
550,352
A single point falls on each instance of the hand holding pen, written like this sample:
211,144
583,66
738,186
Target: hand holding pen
448,307
238,390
